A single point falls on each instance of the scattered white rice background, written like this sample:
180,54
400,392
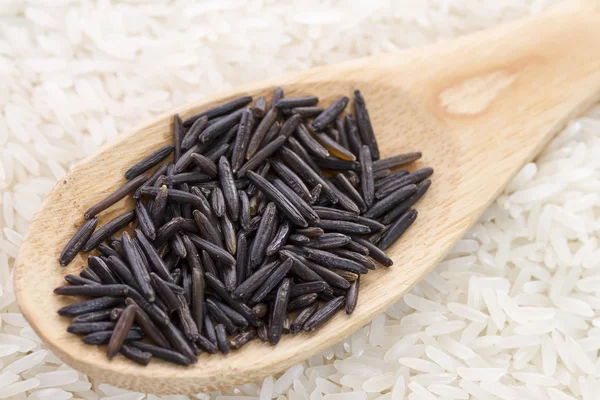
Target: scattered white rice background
512,313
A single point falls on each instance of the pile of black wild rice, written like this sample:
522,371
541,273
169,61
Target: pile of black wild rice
260,225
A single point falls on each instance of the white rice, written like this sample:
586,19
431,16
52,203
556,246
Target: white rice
512,312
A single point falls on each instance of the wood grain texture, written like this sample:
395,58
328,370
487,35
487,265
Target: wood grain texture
478,108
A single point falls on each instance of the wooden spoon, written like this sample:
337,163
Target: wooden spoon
478,107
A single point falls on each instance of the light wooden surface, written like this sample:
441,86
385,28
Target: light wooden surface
478,108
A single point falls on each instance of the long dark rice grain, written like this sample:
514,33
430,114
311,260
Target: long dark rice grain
88,306
254,281
245,216
209,328
87,273
79,280
98,265
217,253
282,202
221,127
165,293
324,314
346,227
397,229
144,219
352,296
260,132
191,137
186,159
352,255
296,163
302,317
136,355
330,114
148,162
364,124
120,269
261,156
222,342
291,179
241,259
79,328
205,164
162,353
155,262
299,267
277,95
396,161
407,203
333,261
221,109
334,148
219,315
219,289
167,231
177,137
235,317
390,201
344,201
218,202
299,149
300,289
242,139
93,290
242,338
280,310
279,238
310,143
375,252
206,229
103,337
270,136
140,272
94,316
298,239
302,301
120,331
414,178
351,192
78,241
315,193
303,207
229,190
333,279
179,342
305,112
190,329
293,102
148,327
393,176
354,141
366,178
115,196
160,171
108,229
158,315
356,247
329,241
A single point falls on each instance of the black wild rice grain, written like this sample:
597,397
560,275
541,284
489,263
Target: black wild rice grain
303,207
218,202
219,315
103,337
150,161
333,261
191,137
209,328
261,156
79,328
260,132
407,203
333,279
88,306
310,143
291,178
390,201
277,95
293,102
245,216
311,231
352,255
79,280
145,220
139,270
352,296
366,175
364,124
177,137
229,190
148,327
299,267
397,229
120,269
324,314
298,239
259,108
222,342
216,252
120,331
160,171
281,201
205,164
334,135
356,247
242,338
136,355
178,341
162,353
302,317
254,281
315,193
302,301
329,241
108,229
220,290
297,148
242,139
396,161
416,177
330,114
221,127
344,201
233,315
186,159
156,313
346,227
114,197
241,259
155,262
94,316
271,134
347,187
165,293
334,148
220,110
280,310
98,265
307,112
115,290
78,241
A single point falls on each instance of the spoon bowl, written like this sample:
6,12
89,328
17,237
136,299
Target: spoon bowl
478,108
